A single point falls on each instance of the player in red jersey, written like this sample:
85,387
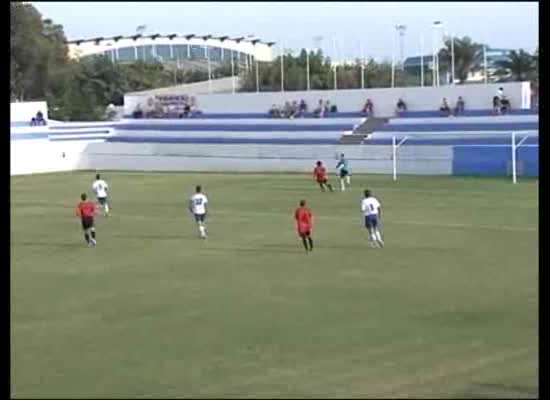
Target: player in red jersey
320,175
86,210
304,224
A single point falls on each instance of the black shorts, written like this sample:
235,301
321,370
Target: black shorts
200,217
344,173
102,200
322,181
87,222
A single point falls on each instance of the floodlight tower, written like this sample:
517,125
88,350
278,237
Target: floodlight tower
401,29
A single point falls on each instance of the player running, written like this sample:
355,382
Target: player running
372,211
101,189
86,211
344,172
320,175
197,206
304,224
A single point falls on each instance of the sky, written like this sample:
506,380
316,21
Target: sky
341,29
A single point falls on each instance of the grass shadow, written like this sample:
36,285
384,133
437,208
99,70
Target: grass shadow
49,244
153,237
499,390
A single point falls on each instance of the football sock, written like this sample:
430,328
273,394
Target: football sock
348,180
310,240
202,230
92,231
379,237
330,187
87,237
304,242
106,208
322,187
342,186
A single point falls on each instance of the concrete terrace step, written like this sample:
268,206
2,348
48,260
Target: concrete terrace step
356,138
360,133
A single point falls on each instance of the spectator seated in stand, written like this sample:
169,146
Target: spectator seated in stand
327,107
505,106
333,108
38,119
186,111
293,110
158,110
274,111
287,110
460,105
445,109
110,112
368,108
302,108
319,112
496,105
401,106
138,112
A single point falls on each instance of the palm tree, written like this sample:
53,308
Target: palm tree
468,57
520,64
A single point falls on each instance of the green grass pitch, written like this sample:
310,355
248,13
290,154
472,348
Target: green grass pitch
449,308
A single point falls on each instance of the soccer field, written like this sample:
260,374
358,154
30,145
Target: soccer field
449,308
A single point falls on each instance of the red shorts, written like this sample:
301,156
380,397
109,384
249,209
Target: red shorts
304,229
322,180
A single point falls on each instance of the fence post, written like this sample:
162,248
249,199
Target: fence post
394,158
514,173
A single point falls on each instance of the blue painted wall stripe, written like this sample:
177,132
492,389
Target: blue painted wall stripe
235,128
464,127
198,140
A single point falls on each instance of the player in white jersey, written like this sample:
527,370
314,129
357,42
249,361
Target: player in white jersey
372,212
101,190
198,207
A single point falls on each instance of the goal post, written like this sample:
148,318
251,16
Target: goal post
515,146
395,146
469,153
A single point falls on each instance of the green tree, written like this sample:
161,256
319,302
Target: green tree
38,52
468,57
520,64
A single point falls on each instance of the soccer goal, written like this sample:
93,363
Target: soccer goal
491,154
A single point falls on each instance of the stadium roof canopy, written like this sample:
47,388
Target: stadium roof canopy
237,39
173,46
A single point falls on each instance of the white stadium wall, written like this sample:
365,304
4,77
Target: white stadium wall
476,96
262,158
40,156
25,111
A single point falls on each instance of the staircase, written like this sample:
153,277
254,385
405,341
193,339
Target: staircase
366,128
